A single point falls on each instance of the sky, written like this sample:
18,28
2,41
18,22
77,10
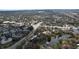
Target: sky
38,4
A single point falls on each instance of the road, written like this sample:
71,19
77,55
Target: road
71,15
26,38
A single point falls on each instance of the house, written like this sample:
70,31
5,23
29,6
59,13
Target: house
5,40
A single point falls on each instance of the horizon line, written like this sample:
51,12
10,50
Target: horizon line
33,9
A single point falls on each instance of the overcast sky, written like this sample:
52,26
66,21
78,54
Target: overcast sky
38,4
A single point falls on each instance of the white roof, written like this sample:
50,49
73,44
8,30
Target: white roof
9,22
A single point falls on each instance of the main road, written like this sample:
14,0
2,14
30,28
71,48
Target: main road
26,38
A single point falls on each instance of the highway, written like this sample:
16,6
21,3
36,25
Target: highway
26,38
71,15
